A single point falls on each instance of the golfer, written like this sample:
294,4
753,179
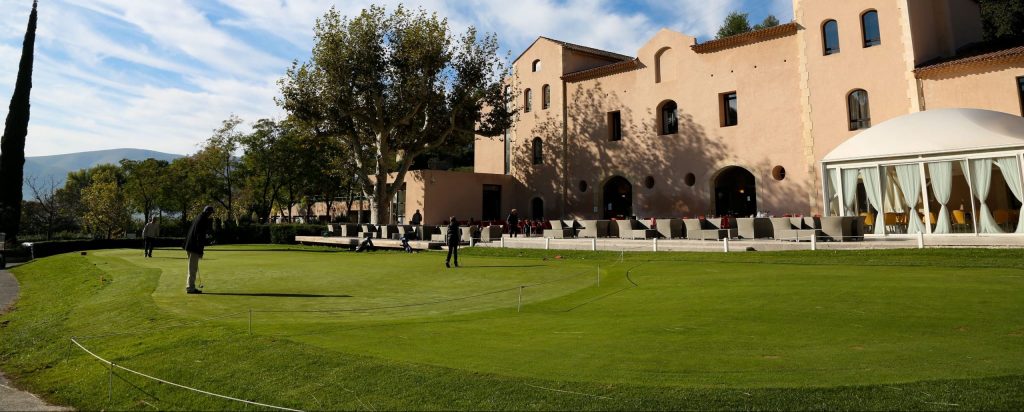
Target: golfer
452,239
149,234
195,240
513,223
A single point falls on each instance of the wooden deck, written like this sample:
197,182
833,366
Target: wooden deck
352,242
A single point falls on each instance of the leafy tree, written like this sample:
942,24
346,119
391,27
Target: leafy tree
769,21
1002,18
390,87
218,167
179,190
12,143
735,23
46,212
106,210
142,183
70,196
263,161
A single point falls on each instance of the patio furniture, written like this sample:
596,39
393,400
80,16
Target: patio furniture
754,227
406,231
369,229
716,227
692,228
468,233
960,222
634,229
491,233
389,231
440,235
594,228
792,228
559,230
669,228
841,228
425,232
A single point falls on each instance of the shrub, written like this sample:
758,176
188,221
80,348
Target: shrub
285,233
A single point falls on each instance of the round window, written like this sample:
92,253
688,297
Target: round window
690,179
779,173
649,182
583,185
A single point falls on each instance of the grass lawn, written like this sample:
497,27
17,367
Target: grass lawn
939,329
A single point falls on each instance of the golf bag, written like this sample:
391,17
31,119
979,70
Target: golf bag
405,245
365,245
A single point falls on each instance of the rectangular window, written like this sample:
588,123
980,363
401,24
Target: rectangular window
729,114
1020,93
614,126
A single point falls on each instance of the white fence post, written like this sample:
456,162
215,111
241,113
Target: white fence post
655,244
814,242
593,244
725,245
547,243
920,240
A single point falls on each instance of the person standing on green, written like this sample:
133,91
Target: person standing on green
195,241
149,234
452,239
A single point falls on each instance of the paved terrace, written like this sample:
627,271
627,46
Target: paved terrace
733,245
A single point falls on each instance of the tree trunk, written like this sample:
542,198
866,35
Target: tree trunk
12,144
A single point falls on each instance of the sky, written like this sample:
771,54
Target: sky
163,74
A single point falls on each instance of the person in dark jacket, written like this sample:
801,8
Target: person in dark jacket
452,239
195,241
513,223
417,218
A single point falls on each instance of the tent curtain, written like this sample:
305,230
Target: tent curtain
874,192
981,179
941,174
1011,173
909,177
833,192
850,190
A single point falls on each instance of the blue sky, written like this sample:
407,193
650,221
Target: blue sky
162,74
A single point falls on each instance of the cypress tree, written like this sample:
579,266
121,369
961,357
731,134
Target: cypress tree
12,144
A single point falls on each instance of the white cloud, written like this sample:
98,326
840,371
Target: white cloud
162,74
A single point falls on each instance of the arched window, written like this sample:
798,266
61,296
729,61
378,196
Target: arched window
662,69
830,37
669,118
537,208
545,99
536,65
857,107
538,151
527,100
869,27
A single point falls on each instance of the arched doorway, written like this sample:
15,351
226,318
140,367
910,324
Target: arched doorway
735,192
537,209
618,198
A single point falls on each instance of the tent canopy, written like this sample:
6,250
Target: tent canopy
933,132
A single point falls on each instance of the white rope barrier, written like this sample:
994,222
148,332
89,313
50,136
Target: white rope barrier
114,365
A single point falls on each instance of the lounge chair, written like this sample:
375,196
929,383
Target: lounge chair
841,228
754,228
440,235
634,229
669,228
559,230
491,233
594,228
468,233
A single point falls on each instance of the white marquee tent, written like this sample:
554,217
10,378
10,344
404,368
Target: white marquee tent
935,172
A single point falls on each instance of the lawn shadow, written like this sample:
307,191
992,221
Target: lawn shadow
501,266
276,295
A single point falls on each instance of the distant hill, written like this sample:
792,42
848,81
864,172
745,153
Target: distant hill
43,167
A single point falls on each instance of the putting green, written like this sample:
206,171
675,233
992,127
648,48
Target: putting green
724,323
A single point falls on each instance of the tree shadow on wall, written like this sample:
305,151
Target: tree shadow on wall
682,165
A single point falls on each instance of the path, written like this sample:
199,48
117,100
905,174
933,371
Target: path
12,399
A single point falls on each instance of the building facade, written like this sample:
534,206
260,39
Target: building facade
738,125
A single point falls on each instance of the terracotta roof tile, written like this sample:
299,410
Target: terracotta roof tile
991,57
606,70
744,39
